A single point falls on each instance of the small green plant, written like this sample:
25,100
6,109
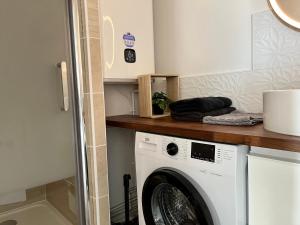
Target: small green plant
160,102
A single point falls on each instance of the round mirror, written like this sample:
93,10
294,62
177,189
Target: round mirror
288,11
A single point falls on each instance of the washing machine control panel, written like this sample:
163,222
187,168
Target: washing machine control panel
198,151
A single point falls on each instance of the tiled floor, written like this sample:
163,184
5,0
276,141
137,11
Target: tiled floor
40,213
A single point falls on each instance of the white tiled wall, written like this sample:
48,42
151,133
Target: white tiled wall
244,88
274,43
276,65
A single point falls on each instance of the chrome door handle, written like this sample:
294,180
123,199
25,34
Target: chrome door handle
64,80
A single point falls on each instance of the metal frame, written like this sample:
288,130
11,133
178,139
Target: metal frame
77,86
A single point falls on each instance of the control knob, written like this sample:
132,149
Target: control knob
172,149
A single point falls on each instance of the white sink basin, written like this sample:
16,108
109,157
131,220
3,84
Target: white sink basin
282,111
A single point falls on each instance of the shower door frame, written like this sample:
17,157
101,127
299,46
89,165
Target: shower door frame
82,183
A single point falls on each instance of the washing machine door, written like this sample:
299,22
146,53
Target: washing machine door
170,199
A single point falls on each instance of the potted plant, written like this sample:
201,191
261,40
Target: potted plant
160,102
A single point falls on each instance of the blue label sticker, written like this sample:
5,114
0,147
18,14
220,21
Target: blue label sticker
129,40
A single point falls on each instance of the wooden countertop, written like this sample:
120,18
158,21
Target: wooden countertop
252,136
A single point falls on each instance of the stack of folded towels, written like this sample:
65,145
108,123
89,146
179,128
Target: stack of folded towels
195,109
212,110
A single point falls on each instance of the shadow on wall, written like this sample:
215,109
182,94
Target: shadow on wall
118,101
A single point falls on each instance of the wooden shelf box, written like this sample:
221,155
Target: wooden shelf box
145,83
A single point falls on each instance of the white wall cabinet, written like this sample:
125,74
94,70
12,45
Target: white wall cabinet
119,18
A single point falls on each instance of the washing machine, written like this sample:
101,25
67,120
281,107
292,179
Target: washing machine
190,182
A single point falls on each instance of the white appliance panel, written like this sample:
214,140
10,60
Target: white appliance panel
274,188
119,18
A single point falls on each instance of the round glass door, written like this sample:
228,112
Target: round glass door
170,199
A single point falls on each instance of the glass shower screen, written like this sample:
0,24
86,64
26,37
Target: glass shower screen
39,144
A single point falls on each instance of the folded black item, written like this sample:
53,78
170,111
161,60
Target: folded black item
205,104
198,116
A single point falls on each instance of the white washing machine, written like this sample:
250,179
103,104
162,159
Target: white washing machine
190,182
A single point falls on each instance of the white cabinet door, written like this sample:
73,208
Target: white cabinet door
121,17
274,191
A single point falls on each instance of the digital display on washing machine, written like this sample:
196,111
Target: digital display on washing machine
203,152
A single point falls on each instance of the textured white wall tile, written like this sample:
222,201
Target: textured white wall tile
244,88
274,43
